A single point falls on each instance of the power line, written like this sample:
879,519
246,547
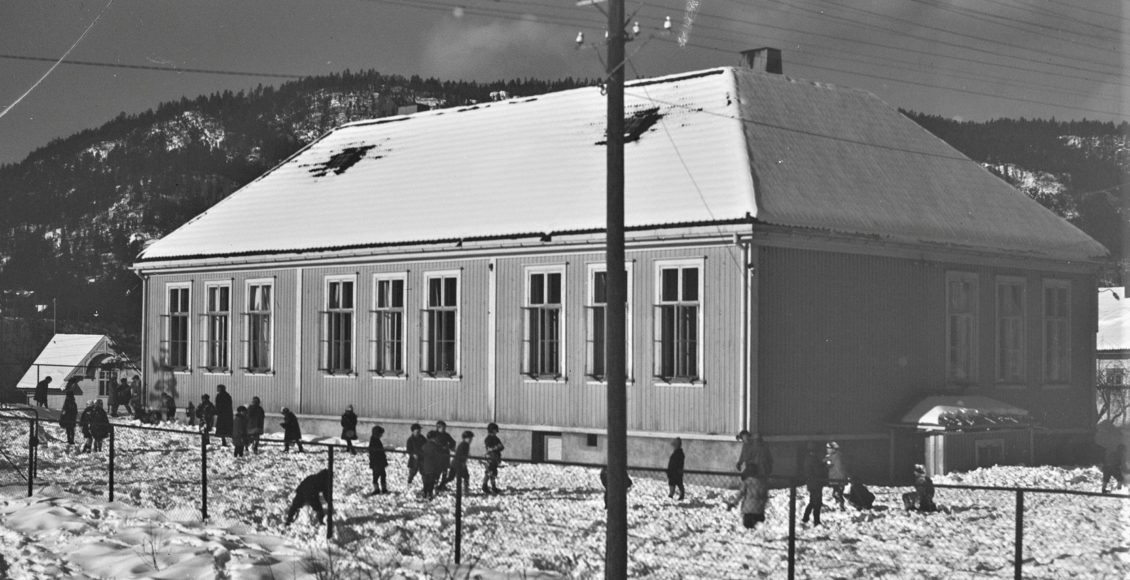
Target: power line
153,68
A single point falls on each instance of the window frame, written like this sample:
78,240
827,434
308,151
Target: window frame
591,270
1022,283
206,338
325,343
455,374
246,316
166,332
974,325
1065,285
659,266
562,317
375,311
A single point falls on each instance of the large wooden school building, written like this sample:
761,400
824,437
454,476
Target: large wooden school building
804,262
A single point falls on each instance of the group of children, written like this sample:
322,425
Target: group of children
437,458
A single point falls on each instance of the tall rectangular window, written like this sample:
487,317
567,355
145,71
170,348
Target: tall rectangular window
176,333
678,323
337,327
595,323
257,330
217,328
439,326
386,345
961,327
541,332
1010,330
1057,337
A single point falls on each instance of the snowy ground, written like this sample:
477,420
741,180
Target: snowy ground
549,522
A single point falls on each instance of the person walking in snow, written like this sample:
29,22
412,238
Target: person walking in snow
752,497
239,431
292,433
1112,465
414,445
84,423
190,411
99,425
458,470
124,397
206,412
815,475
378,460
448,442
69,417
675,465
41,392
434,460
756,453
349,428
837,472
494,459
224,417
309,493
255,421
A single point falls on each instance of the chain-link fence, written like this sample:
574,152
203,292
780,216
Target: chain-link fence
549,518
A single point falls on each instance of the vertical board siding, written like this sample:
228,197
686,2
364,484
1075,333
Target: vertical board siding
847,342
580,402
276,389
414,396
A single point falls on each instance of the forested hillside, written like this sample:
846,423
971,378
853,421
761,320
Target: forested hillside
77,211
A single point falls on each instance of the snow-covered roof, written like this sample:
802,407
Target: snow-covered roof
942,411
716,145
1114,320
65,356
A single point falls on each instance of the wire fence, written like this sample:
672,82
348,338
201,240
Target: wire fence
550,520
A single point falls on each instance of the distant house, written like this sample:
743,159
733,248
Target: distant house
91,358
804,262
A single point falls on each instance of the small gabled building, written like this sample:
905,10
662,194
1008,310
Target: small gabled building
804,261
90,360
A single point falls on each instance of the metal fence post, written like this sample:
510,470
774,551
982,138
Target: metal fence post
330,493
204,474
111,463
458,519
30,457
792,530
1018,559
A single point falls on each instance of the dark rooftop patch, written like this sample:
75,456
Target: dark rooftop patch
341,161
637,124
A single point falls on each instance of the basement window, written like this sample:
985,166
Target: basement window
590,440
638,123
341,161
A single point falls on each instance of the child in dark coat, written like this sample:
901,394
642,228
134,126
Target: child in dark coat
458,471
922,498
255,422
434,459
84,421
190,411
170,407
310,492
349,428
675,469
752,497
378,460
292,433
69,417
815,475
1112,466
206,412
494,459
415,443
239,431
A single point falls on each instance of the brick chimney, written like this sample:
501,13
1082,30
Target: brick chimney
765,59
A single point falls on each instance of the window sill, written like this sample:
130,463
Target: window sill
389,377
528,380
221,373
661,382
447,379
182,372
258,373
339,375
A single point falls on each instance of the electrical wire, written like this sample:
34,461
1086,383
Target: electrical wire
155,68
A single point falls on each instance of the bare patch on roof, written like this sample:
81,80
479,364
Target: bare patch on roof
341,161
636,124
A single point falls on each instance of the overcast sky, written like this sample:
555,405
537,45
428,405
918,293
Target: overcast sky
971,59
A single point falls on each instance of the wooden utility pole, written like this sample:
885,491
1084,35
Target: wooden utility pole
616,541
